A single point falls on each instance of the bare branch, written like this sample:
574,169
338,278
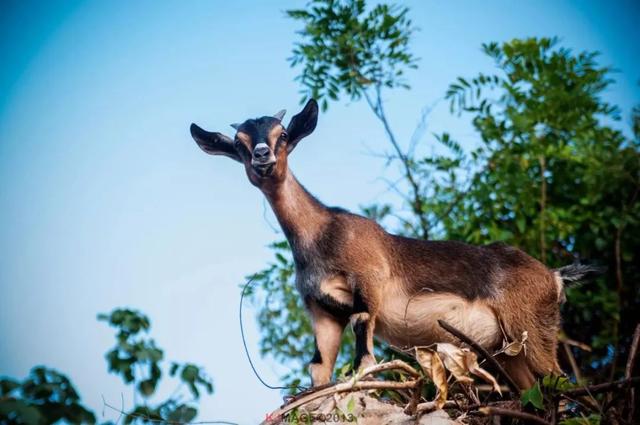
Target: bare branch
497,411
421,127
603,388
417,203
572,361
633,350
353,384
146,418
572,342
430,406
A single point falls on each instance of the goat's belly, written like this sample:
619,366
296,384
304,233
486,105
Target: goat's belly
406,322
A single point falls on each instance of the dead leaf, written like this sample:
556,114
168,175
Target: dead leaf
440,380
454,360
432,366
471,362
514,348
423,356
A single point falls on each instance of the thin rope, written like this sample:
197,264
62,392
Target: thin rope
246,349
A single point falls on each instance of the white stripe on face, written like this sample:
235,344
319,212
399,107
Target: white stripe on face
261,145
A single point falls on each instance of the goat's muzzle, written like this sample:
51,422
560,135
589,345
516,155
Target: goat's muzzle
263,159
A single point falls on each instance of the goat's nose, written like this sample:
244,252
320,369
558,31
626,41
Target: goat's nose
261,151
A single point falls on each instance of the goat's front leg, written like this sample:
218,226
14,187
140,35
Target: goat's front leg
327,330
365,308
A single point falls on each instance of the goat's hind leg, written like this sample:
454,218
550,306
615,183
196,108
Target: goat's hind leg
365,308
363,326
519,370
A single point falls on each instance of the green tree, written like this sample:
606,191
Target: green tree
549,173
136,359
44,397
555,179
47,396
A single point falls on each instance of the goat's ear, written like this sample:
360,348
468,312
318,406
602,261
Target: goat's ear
302,124
214,143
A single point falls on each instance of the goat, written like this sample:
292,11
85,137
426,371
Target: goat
350,270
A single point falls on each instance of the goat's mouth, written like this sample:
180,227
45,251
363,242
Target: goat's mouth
263,169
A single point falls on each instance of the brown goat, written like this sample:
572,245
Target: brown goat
349,269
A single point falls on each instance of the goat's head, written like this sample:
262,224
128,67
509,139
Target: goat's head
261,144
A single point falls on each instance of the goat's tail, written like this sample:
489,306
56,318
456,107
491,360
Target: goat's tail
574,275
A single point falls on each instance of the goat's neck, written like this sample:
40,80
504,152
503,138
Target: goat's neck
301,216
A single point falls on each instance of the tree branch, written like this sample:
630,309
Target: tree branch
543,206
417,203
353,384
572,361
633,350
146,418
484,353
497,411
603,388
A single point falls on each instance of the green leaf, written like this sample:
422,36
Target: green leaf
533,396
521,223
147,387
351,405
189,373
8,385
557,383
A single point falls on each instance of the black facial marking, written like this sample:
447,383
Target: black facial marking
258,129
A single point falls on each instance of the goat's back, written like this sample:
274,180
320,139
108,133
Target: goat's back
467,270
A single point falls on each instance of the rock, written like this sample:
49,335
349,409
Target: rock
437,417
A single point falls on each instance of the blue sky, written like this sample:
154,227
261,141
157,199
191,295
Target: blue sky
106,201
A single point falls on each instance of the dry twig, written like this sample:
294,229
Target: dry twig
353,384
430,406
147,418
628,370
497,411
572,342
484,353
572,361
603,388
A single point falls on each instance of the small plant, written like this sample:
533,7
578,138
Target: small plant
137,360
45,396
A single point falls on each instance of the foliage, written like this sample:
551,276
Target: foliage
549,174
45,396
533,397
553,178
130,353
137,359
347,48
